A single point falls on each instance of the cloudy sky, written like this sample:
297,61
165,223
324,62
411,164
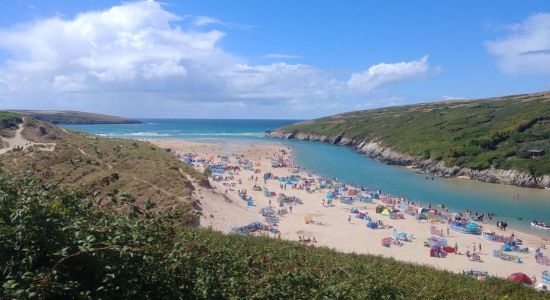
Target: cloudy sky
266,59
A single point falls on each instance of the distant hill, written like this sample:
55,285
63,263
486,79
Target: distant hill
74,117
96,166
474,138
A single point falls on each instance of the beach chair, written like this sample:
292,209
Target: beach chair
545,277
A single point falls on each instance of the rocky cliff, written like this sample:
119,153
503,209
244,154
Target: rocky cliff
375,150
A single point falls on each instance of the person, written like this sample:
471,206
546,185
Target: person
290,208
456,248
269,202
479,247
349,219
534,279
474,247
447,231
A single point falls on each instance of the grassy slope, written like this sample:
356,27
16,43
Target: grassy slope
92,164
74,249
472,134
74,117
8,124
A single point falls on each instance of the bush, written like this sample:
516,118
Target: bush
57,245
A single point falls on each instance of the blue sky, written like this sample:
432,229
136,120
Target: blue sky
266,59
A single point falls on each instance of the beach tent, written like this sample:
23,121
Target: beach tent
267,211
422,210
520,277
386,242
422,216
379,209
372,225
250,202
472,226
330,196
386,212
545,277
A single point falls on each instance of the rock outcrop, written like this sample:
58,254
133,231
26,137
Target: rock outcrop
375,150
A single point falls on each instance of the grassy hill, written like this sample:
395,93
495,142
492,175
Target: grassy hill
96,166
475,134
74,117
8,123
57,244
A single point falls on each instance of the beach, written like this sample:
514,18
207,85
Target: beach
335,227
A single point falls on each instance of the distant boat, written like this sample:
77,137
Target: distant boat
540,225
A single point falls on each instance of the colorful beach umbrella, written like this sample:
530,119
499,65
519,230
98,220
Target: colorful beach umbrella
520,277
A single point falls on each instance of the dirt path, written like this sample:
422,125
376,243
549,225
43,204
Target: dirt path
18,141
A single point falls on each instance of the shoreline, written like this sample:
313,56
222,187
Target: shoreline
388,156
222,210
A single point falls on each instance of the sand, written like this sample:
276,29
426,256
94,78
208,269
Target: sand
223,211
18,141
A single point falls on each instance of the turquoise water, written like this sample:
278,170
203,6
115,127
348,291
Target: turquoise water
187,129
348,166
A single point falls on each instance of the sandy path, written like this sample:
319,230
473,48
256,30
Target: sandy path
335,231
18,141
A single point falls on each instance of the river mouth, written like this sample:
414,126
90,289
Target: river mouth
516,205
351,167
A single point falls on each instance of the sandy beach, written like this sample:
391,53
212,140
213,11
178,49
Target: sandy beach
223,209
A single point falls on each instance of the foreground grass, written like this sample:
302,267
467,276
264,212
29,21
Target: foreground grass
474,134
57,244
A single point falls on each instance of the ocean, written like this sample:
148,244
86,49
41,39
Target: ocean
350,167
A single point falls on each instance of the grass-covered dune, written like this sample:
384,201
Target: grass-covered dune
8,124
74,117
477,134
57,244
96,166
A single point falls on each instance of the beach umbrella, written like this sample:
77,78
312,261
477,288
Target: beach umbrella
520,277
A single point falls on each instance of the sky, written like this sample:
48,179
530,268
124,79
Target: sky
280,59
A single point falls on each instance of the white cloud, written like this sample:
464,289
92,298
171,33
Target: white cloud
136,58
447,98
282,56
205,20
526,48
384,73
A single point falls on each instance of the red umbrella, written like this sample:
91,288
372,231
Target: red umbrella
520,277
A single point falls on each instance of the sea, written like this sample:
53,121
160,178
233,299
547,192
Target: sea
518,206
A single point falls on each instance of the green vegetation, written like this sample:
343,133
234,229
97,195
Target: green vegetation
57,244
95,165
74,117
475,134
8,123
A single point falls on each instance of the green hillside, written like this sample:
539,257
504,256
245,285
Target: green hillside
8,123
96,166
474,134
57,244
74,117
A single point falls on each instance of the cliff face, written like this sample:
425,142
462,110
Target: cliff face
386,155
